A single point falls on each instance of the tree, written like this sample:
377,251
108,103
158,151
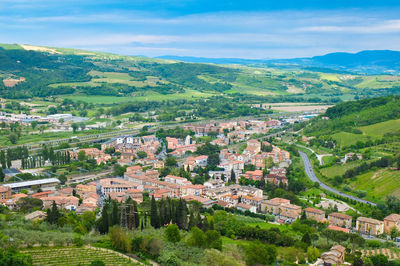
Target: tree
103,223
306,239
394,232
141,154
213,160
13,138
81,156
197,238
29,204
53,214
154,218
61,121
12,256
97,262
3,159
34,124
379,260
172,233
257,253
312,254
233,176
119,239
213,239
82,126
170,162
8,159
75,127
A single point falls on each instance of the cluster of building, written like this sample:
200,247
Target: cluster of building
91,153
129,147
52,119
79,199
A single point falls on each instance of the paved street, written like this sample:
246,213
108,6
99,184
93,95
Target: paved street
310,173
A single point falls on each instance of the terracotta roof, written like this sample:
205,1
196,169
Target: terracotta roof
341,215
314,211
368,220
394,217
337,228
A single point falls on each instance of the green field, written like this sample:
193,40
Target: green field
347,139
369,132
380,129
145,96
378,184
76,256
338,169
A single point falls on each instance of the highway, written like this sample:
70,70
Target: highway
310,173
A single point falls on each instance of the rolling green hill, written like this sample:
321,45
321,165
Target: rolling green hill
30,71
370,127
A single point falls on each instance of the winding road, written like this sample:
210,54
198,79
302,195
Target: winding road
310,173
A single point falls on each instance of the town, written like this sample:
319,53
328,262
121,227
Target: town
225,164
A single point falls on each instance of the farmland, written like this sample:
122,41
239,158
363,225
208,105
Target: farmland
76,256
378,184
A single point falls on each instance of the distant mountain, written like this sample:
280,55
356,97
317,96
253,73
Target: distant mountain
221,61
28,71
367,62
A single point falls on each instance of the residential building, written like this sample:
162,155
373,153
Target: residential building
288,216
315,214
340,219
335,256
246,207
256,175
273,205
5,193
109,185
67,203
369,226
391,221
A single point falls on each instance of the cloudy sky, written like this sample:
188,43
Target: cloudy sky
218,28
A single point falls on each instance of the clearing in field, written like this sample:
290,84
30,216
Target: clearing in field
39,48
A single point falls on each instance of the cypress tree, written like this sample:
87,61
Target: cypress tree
8,159
162,212
114,216
233,176
3,159
154,219
136,213
104,220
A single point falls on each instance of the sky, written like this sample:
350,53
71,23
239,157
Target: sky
217,28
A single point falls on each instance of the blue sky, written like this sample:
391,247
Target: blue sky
218,28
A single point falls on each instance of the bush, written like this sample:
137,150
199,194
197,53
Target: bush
257,253
97,263
119,239
172,233
78,241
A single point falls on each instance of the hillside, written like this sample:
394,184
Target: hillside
355,117
369,127
30,71
367,62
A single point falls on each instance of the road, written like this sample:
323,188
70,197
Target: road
310,173
107,135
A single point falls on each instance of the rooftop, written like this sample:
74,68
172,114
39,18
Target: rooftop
33,183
